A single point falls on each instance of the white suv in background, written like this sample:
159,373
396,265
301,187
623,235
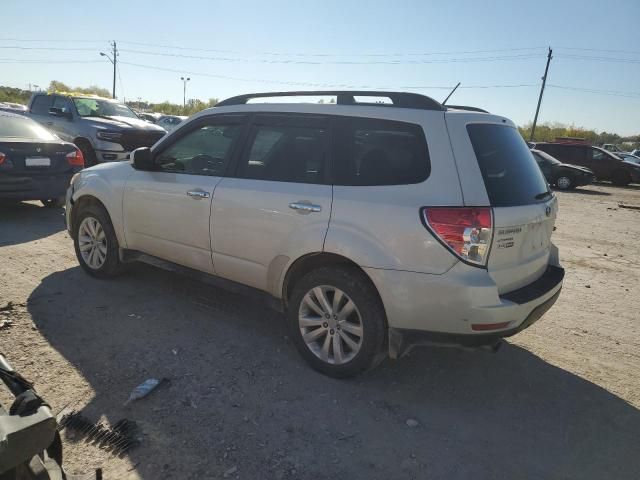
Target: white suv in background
378,226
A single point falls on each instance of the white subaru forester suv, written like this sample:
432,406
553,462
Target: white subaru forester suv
378,225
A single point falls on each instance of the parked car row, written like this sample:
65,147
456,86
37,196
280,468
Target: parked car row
604,165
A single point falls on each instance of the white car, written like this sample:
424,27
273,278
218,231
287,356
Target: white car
170,122
376,227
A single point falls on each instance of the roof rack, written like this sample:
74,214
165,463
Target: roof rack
465,107
398,99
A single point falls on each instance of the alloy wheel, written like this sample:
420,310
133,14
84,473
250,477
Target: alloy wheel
92,243
330,324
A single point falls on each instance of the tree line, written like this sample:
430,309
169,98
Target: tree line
544,132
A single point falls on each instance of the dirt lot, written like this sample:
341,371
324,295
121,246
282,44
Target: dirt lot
559,401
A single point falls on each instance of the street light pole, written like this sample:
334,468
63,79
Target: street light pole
184,91
114,61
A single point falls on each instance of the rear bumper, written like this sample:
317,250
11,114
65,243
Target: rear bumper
41,187
460,307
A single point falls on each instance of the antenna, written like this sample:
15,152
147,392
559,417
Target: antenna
448,96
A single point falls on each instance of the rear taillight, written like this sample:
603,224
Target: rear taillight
75,158
467,232
2,158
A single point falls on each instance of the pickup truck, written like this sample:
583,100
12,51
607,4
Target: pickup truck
105,130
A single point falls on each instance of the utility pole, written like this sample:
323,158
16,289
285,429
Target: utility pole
544,82
114,60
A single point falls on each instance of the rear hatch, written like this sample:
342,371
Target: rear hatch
491,153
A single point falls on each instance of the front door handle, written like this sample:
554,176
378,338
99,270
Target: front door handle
198,194
305,207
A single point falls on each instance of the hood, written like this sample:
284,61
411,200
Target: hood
577,168
125,122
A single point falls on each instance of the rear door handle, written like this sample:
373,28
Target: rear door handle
198,194
305,207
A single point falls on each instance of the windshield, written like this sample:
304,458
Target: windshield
20,127
97,107
545,157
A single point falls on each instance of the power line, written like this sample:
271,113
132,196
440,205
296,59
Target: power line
315,54
598,59
36,61
614,93
336,62
631,52
317,85
68,49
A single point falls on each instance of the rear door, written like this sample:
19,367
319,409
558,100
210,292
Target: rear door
491,152
277,204
167,212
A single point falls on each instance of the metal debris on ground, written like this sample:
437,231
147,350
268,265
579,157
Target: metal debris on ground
120,438
4,324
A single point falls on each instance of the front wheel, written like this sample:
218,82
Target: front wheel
95,243
337,321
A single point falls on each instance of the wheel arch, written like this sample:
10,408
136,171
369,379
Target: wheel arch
311,261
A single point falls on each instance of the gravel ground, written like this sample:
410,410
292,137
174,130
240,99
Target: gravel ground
558,401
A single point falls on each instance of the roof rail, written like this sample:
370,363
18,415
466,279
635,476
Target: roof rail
398,99
464,107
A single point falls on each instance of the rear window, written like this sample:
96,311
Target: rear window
20,127
379,152
511,175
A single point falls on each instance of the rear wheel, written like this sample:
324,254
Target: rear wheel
621,178
57,202
564,182
337,321
95,242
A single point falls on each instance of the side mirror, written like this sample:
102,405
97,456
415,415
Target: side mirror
60,112
141,159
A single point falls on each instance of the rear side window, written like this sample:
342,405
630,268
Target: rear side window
285,153
379,152
511,175
41,104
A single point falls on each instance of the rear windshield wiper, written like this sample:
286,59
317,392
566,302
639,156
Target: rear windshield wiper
542,195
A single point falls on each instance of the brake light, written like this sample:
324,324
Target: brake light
2,158
76,158
467,232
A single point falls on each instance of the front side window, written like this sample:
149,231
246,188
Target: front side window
285,154
62,103
379,152
598,154
203,151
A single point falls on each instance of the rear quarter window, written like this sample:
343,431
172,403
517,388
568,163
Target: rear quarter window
379,152
511,175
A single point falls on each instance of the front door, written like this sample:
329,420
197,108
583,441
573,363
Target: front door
276,205
167,211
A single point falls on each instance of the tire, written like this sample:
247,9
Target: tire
54,202
324,334
110,265
621,178
88,153
564,182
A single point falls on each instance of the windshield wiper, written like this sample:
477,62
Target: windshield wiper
542,195
100,116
